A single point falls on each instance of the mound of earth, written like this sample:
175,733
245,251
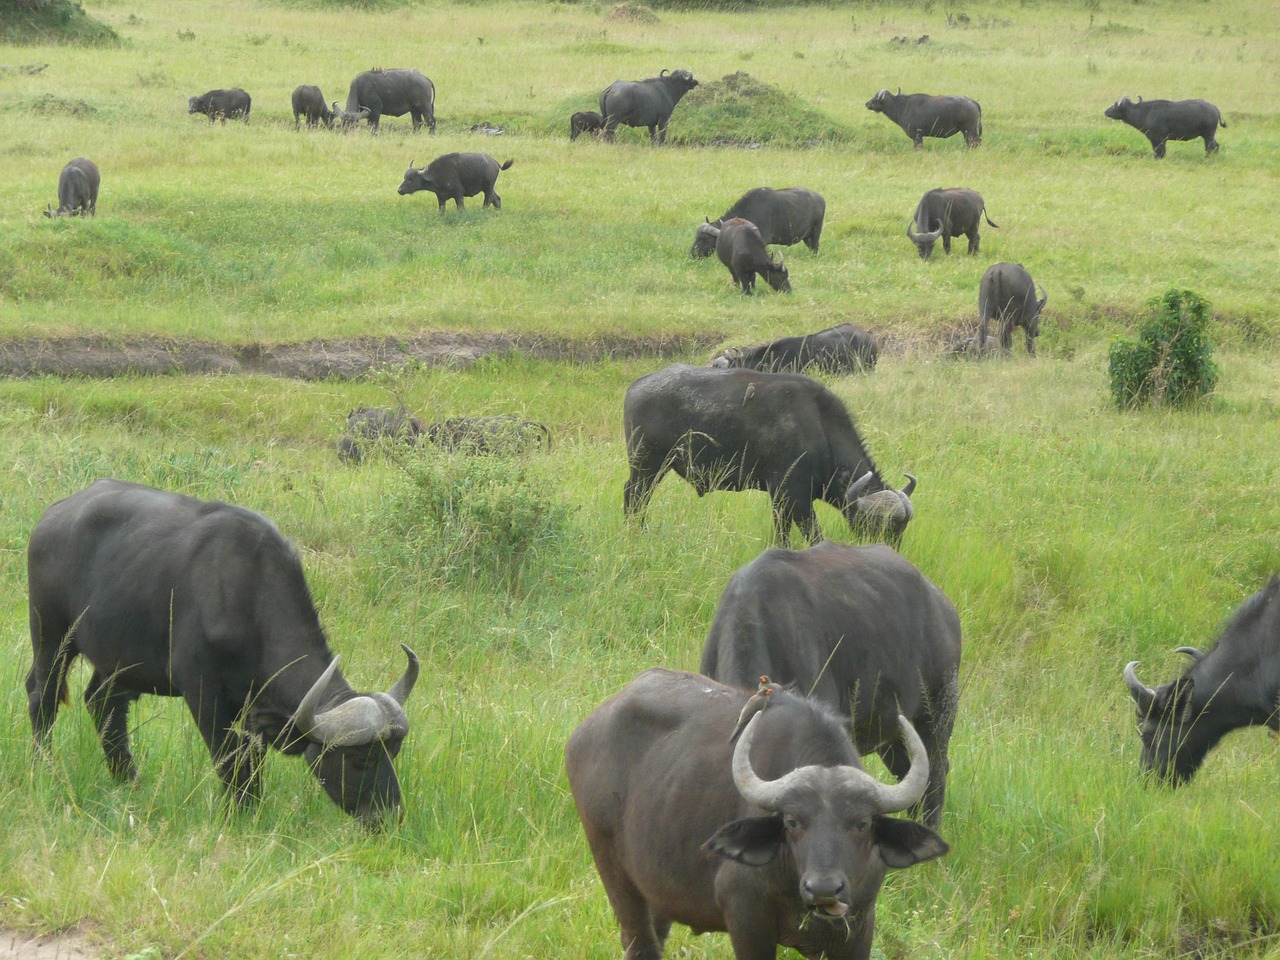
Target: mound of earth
739,110
633,13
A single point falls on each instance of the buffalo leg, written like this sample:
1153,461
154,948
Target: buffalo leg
237,757
644,477
47,678
442,201
946,242
973,242
1210,144
491,197
1006,329
1031,343
109,709
1158,149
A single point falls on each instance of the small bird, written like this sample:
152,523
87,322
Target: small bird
751,392
757,702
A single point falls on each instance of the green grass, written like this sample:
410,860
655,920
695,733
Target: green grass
1071,536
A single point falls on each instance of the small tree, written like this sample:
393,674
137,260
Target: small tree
1172,362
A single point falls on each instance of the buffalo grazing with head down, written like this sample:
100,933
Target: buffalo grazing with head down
782,433
740,247
1008,294
841,349
308,102
221,104
1234,685
921,115
375,94
700,808
456,175
77,189
166,594
1164,120
956,211
585,121
783,217
644,103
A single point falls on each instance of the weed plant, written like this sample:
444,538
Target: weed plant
1172,360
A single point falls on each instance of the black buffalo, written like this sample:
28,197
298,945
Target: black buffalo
456,175
207,601
504,434
644,103
747,430
1234,685
740,247
921,115
1164,120
308,102
842,349
781,838
783,217
376,424
77,189
375,94
858,628
221,104
585,121
1008,294
955,211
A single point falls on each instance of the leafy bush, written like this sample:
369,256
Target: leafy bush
1172,361
52,21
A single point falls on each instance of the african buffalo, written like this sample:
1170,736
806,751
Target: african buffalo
1008,293
1163,120
308,102
842,349
390,93
858,628
1234,685
748,430
956,211
498,435
644,103
374,424
781,838
782,216
741,248
221,104
77,189
454,176
921,115
585,121
165,594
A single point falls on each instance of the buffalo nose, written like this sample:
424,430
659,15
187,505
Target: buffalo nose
823,888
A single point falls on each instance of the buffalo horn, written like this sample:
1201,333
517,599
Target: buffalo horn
401,689
911,485
360,719
1142,695
899,91
1192,652
663,73
856,488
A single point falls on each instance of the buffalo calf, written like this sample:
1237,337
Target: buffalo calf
1008,294
585,121
221,104
740,247
77,189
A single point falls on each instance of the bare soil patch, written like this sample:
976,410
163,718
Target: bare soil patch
65,946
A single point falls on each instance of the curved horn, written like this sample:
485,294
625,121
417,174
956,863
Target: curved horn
906,792
400,691
899,91
1192,652
662,73
1142,695
304,718
857,486
763,793
911,485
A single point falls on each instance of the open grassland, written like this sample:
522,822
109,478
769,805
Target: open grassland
1071,537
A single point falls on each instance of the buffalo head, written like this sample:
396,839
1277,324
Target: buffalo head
704,239
925,240
349,119
415,180
1120,109
1172,746
883,512
877,102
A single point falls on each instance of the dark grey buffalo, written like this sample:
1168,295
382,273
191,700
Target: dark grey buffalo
375,94
858,628
644,103
1234,685
747,430
308,102
1163,120
740,247
1008,294
504,434
921,115
366,425
205,601
456,175
221,104
780,838
842,349
77,189
946,213
783,217
585,121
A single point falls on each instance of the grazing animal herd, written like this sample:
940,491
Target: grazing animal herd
703,802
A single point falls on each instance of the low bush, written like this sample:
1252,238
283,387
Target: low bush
1172,360
52,21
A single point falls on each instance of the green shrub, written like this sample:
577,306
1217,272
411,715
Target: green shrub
52,21
1172,361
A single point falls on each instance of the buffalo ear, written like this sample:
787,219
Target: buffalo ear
903,843
754,841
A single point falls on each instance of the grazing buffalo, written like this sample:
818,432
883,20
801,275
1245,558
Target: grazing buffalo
1163,120
956,211
740,247
1234,685
921,115
308,102
644,103
585,121
782,217
456,175
205,601
390,93
1008,293
504,434
780,838
373,424
77,189
221,104
842,349
858,628
748,430
971,346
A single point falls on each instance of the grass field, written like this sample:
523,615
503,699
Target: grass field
1072,537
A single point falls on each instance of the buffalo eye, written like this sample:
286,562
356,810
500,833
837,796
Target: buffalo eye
861,826
791,823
